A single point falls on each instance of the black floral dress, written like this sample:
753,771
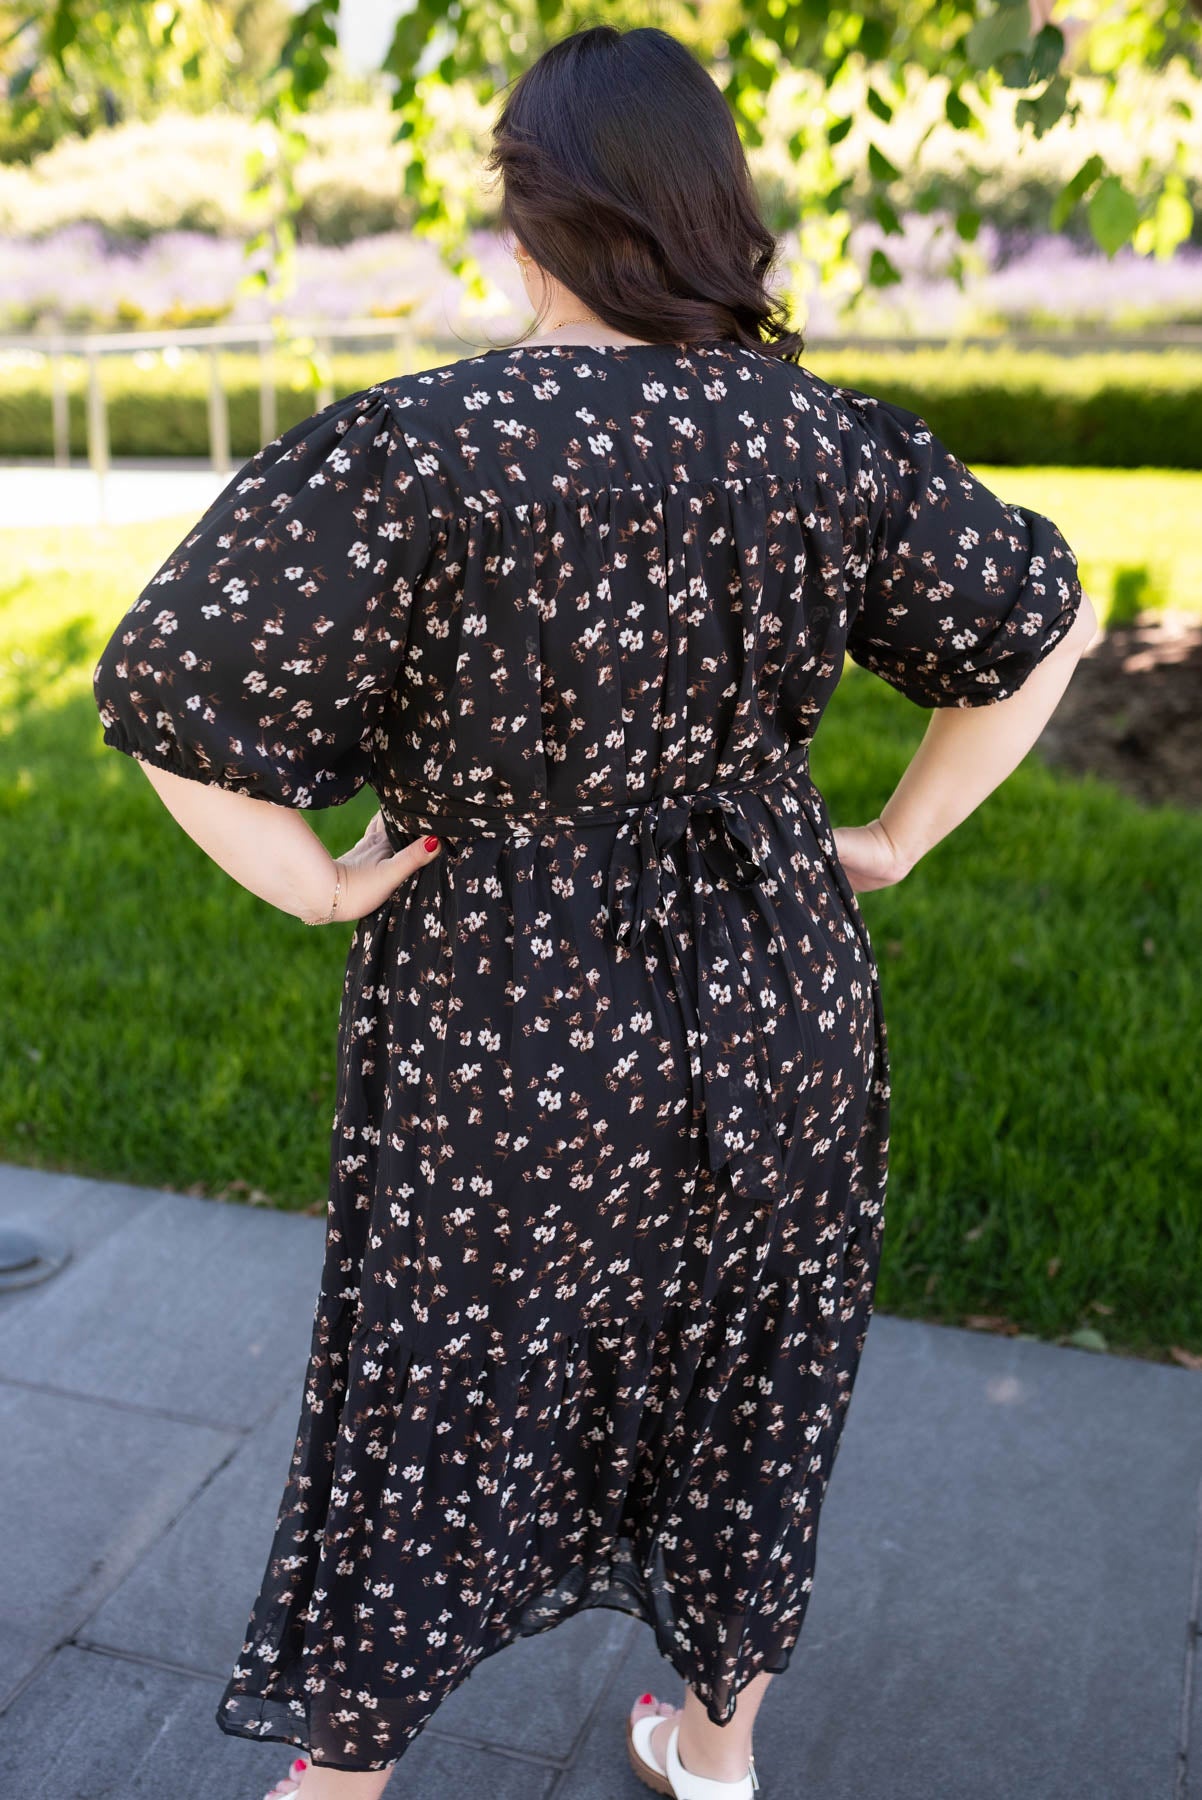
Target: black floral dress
609,1141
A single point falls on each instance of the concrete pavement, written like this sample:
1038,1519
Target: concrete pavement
1005,1606
38,494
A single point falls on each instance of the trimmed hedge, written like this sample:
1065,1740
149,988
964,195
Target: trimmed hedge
1111,410
1104,410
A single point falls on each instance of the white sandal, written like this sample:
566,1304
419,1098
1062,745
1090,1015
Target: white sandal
676,1780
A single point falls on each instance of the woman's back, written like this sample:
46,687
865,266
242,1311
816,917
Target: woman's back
636,576
609,1144
578,612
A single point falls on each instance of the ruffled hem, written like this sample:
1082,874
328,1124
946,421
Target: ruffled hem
670,1466
286,1722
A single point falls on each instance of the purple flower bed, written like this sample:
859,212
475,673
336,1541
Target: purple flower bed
78,280
1042,283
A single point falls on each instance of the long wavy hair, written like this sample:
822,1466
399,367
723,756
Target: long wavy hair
623,175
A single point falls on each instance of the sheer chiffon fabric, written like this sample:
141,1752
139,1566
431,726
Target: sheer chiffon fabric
609,1148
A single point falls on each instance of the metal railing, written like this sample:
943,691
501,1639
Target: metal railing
92,347
60,347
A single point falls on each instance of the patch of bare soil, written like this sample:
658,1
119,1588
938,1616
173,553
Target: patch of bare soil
1132,713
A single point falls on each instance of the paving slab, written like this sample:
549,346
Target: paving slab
69,1211
97,1727
188,1600
74,1521
1002,1588
537,1695
1189,1752
196,1307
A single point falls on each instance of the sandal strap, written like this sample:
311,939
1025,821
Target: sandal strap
640,1737
687,1786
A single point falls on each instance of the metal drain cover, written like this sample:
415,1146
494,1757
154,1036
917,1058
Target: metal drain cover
25,1259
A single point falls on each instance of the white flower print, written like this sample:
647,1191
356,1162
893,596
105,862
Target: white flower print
609,1136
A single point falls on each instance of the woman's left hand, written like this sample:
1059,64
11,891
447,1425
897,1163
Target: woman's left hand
372,870
869,856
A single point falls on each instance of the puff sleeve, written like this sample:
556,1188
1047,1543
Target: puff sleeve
964,595
261,653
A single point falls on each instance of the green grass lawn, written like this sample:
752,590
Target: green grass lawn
1118,521
159,1024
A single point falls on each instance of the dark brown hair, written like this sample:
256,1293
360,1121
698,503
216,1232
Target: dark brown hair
623,175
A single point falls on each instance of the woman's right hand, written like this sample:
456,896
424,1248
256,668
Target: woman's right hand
372,870
869,856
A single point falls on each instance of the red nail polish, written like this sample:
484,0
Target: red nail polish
431,843
646,1699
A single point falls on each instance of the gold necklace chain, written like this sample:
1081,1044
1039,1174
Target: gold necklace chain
590,319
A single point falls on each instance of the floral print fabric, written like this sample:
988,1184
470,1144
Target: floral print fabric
609,1144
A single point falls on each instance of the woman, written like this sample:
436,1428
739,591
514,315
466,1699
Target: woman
608,1154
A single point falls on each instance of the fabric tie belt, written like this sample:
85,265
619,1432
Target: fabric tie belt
731,1074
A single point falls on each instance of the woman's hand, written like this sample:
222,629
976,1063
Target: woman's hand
271,850
869,856
372,870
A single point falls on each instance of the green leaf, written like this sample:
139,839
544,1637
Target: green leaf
1044,109
1113,215
838,130
885,215
874,40
1087,1338
879,165
1171,222
957,269
958,114
10,37
1039,58
737,42
1073,190
1047,53
760,67
1003,32
879,105
776,24
968,223
881,272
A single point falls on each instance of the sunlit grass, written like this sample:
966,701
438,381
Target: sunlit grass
1038,977
159,1024
1116,519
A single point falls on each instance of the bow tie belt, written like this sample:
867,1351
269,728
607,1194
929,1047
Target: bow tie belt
732,1081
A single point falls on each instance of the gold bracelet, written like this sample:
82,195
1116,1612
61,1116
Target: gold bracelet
329,918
